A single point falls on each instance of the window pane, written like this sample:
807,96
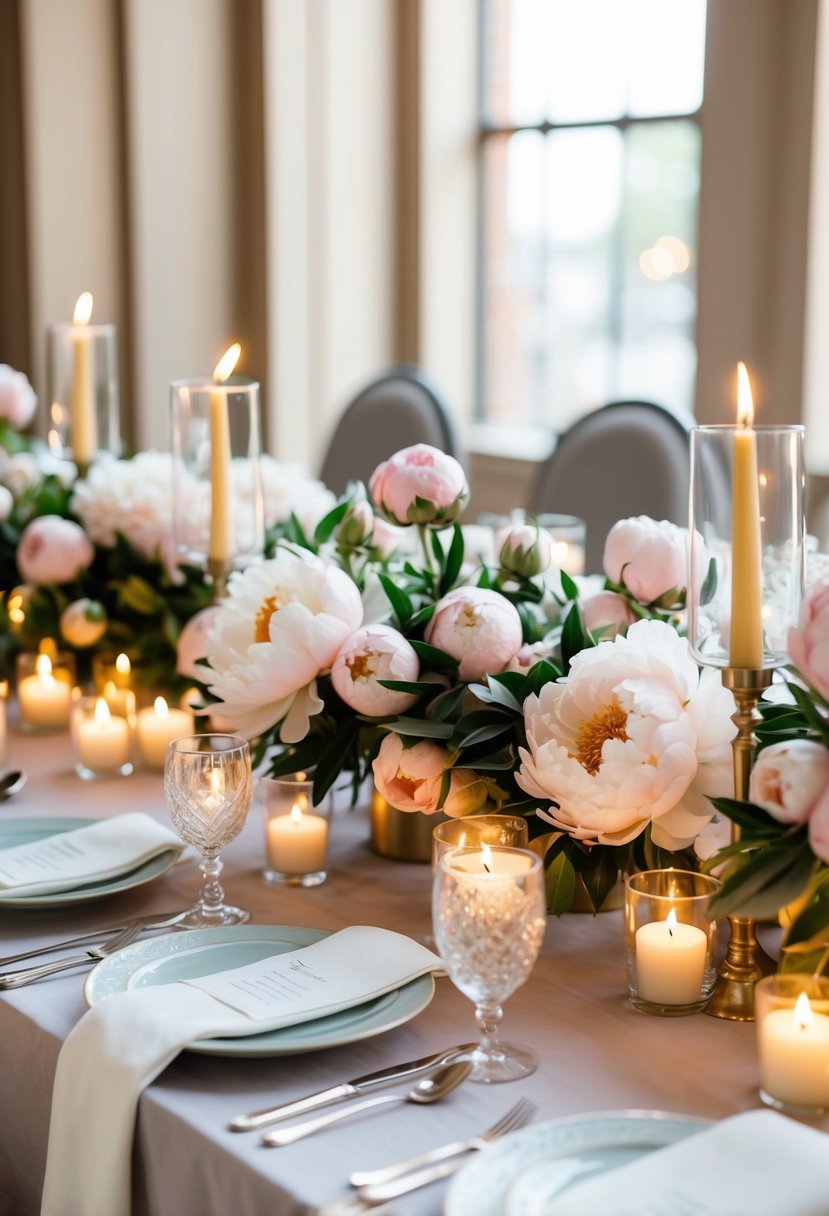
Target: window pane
593,60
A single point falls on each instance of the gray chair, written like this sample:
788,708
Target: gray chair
400,408
626,458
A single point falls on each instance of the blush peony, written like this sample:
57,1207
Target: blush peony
809,643
374,653
419,485
647,557
411,779
479,628
788,778
633,735
278,628
53,550
17,398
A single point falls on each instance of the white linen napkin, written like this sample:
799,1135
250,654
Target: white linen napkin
67,860
123,1043
756,1164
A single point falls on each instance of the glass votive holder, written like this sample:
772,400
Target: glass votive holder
569,536
792,1014
296,831
473,831
44,684
101,739
669,940
82,368
156,727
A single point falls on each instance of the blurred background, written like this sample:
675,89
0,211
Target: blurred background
545,204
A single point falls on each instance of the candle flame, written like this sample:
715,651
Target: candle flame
803,1012
161,708
102,714
122,665
227,363
486,860
43,669
4,689
745,401
296,814
17,612
83,309
671,921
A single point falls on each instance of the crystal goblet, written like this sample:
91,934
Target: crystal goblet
208,787
489,916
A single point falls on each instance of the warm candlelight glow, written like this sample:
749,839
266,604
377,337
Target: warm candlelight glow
217,781
671,921
17,613
803,1012
486,859
102,714
745,401
43,667
161,708
122,664
83,309
49,647
296,814
227,363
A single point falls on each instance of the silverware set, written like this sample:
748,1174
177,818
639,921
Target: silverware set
123,936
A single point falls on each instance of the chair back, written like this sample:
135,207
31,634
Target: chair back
398,409
626,458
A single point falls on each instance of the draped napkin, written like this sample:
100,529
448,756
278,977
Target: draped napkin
756,1164
123,1043
101,850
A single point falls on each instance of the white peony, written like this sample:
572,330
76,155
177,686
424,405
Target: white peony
130,497
279,627
287,490
634,735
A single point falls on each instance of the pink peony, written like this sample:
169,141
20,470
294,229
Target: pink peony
649,558
419,485
809,644
6,504
374,653
526,550
480,628
53,550
789,777
819,827
608,613
17,398
410,779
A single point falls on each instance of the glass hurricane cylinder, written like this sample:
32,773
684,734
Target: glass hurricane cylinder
793,1043
218,514
82,381
759,522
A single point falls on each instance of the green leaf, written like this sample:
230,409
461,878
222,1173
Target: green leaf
560,881
444,705
766,881
454,560
709,585
325,528
600,875
438,660
467,736
418,728
813,921
541,673
497,693
498,762
401,604
416,687
137,594
747,815
571,591
334,758
574,636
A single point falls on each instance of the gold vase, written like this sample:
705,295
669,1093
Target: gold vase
401,835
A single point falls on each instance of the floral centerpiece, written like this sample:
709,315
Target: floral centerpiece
781,861
460,681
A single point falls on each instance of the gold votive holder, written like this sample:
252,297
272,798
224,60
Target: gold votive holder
296,831
44,683
101,738
792,1015
669,941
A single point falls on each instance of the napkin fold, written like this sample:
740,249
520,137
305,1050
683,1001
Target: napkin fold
101,850
756,1164
123,1043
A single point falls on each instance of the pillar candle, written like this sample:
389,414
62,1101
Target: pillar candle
102,741
746,641
157,727
82,389
297,843
221,539
670,961
794,1055
44,700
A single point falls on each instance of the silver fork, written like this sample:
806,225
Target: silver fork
27,975
516,1117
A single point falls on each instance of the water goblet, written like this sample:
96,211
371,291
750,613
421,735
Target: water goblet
489,916
208,787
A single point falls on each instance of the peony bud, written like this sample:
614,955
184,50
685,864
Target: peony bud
526,550
374,653
420,485
53,550
809,643
83,623
478,627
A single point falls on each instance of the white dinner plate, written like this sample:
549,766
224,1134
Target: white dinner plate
27,831
521,1174
184,956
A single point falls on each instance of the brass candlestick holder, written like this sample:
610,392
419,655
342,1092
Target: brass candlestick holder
745,960
218,571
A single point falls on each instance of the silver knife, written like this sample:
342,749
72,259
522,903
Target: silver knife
346,1089
159,921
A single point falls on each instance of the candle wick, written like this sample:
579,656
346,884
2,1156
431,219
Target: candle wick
486,867
670,930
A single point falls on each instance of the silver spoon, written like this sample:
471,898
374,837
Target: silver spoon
428,1089
11,783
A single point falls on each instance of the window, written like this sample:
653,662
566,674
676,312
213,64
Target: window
590,157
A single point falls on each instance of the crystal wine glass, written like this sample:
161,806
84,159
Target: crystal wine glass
208,788
489,916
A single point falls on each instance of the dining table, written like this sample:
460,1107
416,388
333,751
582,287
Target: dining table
596,1052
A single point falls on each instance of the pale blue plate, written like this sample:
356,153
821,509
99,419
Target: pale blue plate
26,831
521,1174
185,956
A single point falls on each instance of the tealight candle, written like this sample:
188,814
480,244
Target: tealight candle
157,727
670,961
296,831
793,1043
102,740
485,861
44,699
